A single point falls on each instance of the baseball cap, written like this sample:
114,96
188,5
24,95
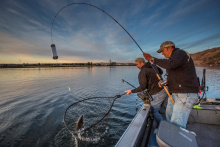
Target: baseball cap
165,44
139,60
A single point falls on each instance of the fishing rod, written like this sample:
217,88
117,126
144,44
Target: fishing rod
149,95
203,87
128,83
98,9
162,83
53,47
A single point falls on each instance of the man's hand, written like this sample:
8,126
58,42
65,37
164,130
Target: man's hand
128,92
159,84
162,83
147,56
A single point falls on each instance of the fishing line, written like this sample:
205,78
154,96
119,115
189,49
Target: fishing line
98,9
76,122
133,87
54,48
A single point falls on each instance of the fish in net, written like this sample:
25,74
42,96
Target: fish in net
87,119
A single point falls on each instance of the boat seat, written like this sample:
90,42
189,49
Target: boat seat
169,134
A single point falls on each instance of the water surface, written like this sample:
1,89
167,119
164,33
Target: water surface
33,101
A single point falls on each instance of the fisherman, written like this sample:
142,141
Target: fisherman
182,81
148,80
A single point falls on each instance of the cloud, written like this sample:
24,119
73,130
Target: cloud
84,32
203,41
95,39
13,45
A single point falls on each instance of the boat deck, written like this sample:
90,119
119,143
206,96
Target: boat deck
206,135
204,122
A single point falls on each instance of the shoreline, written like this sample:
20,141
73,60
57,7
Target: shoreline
63,65
85,65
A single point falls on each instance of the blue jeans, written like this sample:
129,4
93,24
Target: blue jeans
178,113
158,99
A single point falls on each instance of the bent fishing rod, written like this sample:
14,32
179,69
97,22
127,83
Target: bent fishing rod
54,48
98,9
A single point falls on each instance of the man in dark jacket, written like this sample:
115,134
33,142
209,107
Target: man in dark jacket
182,81
148,80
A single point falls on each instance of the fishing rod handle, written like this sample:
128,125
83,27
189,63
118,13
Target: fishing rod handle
158,76
164,87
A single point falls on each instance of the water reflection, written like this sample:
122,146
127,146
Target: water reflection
33,101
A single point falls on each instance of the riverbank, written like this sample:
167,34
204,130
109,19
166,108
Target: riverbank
206,58
209,57
39,65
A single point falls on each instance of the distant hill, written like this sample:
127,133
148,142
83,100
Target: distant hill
209,57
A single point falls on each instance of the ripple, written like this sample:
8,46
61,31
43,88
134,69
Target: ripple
33,102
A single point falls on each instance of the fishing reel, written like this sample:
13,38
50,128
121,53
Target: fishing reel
163,82
145,96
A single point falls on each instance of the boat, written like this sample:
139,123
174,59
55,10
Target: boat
203,126
202,129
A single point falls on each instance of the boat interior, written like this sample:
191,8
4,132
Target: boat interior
205,123
202,130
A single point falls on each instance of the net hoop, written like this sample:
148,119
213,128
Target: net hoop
95,123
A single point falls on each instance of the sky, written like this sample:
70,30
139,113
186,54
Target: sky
83,33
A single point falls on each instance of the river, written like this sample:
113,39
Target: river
33,101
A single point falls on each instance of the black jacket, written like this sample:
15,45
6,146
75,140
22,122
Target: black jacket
148,79
181,72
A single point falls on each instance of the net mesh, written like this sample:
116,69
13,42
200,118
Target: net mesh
84,116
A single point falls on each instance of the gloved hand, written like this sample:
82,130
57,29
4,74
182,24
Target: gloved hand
147,56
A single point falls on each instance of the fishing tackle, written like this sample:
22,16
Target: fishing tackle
163,82
55,56
203,87
53,45
145,97
54,51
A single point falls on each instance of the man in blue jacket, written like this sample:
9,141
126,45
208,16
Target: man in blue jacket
182,81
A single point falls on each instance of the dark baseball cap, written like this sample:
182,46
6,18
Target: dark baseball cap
165,44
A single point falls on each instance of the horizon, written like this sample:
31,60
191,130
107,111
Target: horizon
85,34
68,63
104,61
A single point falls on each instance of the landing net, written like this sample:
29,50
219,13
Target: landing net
88,115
